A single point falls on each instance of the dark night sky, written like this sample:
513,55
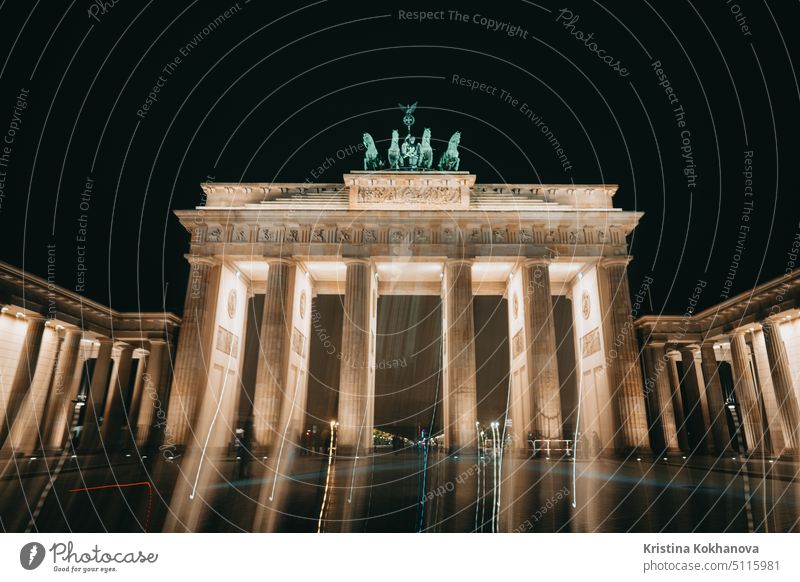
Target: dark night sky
277,88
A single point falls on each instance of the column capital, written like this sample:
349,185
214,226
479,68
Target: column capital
537,261
356,261
621,261
31,316
121,348
202,260
771,328
708,345
274,261
773,320
737,336
452,261
655,344
156,341
69,330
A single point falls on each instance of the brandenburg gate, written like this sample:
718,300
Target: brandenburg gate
409,233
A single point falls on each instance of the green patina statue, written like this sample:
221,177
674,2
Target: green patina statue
371,159
408,118
449,160
410,151
394,151
411,155
426,151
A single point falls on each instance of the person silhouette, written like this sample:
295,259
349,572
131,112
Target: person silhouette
244,448
597,446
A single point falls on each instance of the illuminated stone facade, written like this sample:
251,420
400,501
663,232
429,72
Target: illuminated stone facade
75,373
407,233
727,378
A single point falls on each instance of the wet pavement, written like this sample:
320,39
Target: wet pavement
408,491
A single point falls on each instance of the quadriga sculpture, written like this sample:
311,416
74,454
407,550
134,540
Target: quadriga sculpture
449,160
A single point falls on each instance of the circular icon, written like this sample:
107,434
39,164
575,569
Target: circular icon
586,305
31,555
516,305
232,303
302,305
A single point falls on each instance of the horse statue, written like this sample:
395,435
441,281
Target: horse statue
394,151
426,151
371,159
449,159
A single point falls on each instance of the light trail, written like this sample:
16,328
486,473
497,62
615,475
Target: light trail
502,448
283,438
420,490
495,435
500,480
483,499
210,429
358,443
331,450
480,449
430,428
748,495
575,438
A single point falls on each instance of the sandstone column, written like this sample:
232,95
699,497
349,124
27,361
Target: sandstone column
55,421
460,391
622,360
24,437
23,376
696,393
274,341
118,390
149,396
658,382
89,437
158,435
782,382
519,398
132,413
286,328
677,400
50,396
356,407
715,399
745,389
194,345
545,388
